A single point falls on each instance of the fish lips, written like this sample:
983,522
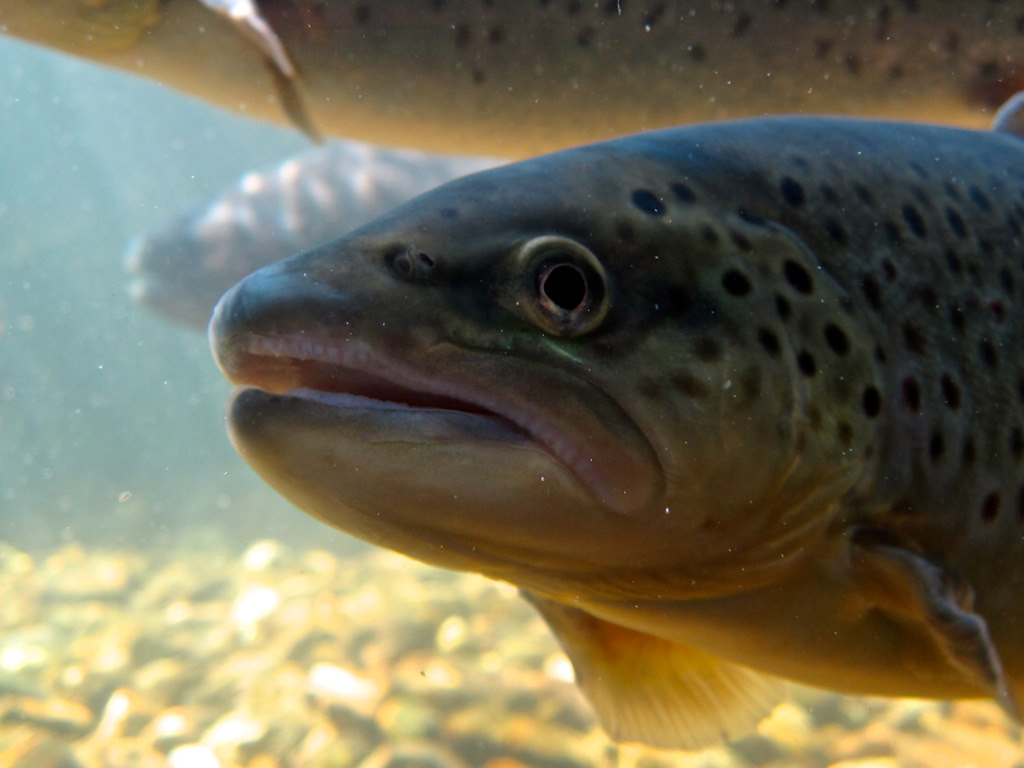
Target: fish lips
464,400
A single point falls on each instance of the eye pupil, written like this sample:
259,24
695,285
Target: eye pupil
564,286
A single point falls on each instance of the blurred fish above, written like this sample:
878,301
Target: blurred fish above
511,79
181,270
730,403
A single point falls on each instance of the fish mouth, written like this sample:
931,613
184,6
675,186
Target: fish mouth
352,374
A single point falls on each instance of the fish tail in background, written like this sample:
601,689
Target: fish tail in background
182,269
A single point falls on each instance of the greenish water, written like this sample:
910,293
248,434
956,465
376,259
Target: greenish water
110,419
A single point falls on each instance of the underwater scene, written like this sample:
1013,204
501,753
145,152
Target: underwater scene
661,453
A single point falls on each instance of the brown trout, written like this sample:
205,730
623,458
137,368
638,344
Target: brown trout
511,79
730,403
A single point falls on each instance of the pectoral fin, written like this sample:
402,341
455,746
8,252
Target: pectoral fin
911,588
650,690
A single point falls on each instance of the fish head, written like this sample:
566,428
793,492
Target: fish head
542,367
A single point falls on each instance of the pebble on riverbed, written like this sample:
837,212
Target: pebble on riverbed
280,659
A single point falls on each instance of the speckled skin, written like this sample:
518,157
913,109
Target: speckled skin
511,78
786,346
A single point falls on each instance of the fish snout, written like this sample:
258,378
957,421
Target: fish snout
271,302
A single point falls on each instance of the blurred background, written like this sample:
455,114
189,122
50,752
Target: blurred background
110,419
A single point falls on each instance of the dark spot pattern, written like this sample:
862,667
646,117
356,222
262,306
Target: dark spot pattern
956,222
950,392
871,400
990,507
912,394
798,277
736,283
914,220
683,192
647,202
805,361
769,342
792,192
837,339
689,385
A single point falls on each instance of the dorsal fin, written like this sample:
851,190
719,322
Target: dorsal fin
649,690
1010,117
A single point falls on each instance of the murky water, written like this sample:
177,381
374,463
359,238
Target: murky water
159,605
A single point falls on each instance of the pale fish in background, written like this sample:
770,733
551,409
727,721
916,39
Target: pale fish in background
730,403
511,79
180,270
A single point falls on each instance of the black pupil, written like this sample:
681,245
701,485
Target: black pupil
564,286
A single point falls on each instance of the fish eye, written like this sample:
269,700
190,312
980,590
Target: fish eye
566,285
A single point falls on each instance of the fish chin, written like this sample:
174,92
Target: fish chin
411,478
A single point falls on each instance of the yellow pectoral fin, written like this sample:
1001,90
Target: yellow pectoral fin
649,690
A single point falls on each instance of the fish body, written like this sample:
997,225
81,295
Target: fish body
182,269
729,403
511,79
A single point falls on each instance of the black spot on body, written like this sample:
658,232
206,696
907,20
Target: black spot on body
740,240
652,15
689,385
980,199
911,394
864,195
648,202
792,192
805,362
836,338
988,353
872,291
769,342
936,446
1017,442
970,452
783,308
956,223
871,402
913,218
683,192
892,233
950,392
798,277
990,507
742,24
1006,281
736,283
707,349
953,262
913,338
836,232
957,319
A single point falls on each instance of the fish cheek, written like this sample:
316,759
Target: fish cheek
750,406
433,485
